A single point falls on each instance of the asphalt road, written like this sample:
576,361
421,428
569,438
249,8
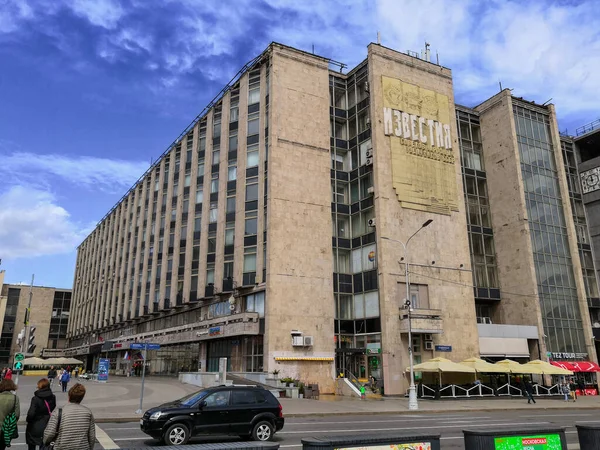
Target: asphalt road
128,435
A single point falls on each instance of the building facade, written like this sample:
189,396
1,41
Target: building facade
50,308
278,229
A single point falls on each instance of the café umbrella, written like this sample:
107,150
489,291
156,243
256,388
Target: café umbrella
516,368
546,368
482,366
441,365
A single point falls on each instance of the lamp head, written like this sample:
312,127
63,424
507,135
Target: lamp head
427,223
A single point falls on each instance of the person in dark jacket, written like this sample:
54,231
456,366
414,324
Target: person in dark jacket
51,375
42,405
529,391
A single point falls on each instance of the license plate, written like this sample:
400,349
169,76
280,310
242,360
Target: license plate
141,421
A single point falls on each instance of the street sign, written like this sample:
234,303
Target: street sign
136,346
19,356
153,346
443,348
18,365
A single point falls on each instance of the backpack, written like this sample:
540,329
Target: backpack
9,426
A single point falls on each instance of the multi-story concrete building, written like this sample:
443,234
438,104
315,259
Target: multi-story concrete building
49,315
277,229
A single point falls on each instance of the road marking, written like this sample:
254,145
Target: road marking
134,439
288,423
124,428
104,439
410,428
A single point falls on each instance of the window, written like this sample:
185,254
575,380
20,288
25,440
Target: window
230,205
212,242
199,194
250,259
197,224
340,192
187,180
252,192
343,227
212,218
214,183
345,303
240,397
201,167
218,399
256,303
233,142
253,124
234,112
251,224
217,122
254,95
216,155
229,234
252,156
232,172
364,259
210,274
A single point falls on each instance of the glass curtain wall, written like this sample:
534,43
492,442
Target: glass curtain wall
552,258
479,223
357,319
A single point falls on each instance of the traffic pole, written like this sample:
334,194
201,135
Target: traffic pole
139,411
25,338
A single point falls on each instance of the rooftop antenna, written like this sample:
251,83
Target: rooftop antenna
500,84
427,52
547,101
437,57
313,49
378,38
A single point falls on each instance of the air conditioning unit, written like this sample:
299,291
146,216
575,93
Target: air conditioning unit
308,341
428,337
297,341
369,153
371,222
428,345
369,162
371,190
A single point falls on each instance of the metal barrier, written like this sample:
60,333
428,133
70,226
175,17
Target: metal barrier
416,441
219,446
521,438
589,436
509,389
543,390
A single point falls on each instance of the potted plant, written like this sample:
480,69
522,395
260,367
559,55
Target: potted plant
300,390
287,381
275,373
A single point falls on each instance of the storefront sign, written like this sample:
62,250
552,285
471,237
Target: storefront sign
103,366
443,348
543,442
373,348
214,331
569,355
587,392
415,446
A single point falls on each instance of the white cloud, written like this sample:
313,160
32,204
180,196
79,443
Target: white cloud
32,225
102,13
91,172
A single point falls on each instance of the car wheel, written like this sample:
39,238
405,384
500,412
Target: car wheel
177,434
263,431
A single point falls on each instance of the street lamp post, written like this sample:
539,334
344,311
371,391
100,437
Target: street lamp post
412,391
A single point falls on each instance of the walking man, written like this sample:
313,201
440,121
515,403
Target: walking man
51,375
529,391
64,380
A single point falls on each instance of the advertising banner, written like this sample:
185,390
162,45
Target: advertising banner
103,366
415,446
542,442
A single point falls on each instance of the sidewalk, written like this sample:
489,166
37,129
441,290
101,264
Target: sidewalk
117,401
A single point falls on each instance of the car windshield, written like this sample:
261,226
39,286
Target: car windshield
191,399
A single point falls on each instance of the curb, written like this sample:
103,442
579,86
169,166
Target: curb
131,419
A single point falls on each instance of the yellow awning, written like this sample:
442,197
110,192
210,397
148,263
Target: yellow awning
303,358
482,366
546,368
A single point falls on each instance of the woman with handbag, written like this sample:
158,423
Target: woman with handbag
42,405
10,410
72,427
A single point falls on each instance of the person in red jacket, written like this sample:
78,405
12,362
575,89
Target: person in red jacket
8,374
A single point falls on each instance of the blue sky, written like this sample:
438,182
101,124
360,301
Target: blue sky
91,91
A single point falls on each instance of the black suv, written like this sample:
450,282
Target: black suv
248,411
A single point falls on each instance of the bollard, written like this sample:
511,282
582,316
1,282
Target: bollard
513,438
416,441
589,436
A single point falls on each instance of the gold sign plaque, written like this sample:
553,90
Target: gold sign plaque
417,121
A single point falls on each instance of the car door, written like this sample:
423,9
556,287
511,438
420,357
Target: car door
245,405
212,414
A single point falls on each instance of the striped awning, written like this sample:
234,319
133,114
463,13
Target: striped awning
303,358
